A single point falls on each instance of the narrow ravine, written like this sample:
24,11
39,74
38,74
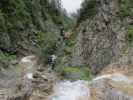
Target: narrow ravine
66,50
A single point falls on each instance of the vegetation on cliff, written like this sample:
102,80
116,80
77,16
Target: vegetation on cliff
20,21
104,30
31,26
101,43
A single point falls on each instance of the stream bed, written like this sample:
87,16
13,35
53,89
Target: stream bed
67,90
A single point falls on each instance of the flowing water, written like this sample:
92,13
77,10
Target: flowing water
66,90
79,90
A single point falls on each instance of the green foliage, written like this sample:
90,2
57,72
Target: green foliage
66,53
126,8
75,73
130,34
69,22
19,18
68,50
70,43
6,57
88,10
47,43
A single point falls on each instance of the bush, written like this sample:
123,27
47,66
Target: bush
88,10
130,35
76,73
6,56
47,44
126,8
9,60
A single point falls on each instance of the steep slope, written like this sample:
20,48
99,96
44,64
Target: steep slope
104,32
21,20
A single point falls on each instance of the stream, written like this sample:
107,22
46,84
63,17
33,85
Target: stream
66,90
74,90
80,90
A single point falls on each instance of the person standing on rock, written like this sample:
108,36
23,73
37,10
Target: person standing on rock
52,61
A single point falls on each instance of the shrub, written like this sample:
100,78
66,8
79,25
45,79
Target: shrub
130,34
76,73
8,60
6,56
126,8
88,10
47,43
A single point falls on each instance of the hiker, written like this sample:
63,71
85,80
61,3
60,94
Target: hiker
52,61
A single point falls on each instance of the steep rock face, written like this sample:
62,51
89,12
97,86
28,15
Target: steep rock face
101,39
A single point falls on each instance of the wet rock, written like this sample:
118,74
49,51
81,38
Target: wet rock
108,86
67,90
112,87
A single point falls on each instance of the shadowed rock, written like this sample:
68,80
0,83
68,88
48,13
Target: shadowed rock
19,87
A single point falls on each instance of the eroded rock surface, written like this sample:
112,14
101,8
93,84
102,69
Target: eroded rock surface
43,83
102,38
112,87
13,86
28,82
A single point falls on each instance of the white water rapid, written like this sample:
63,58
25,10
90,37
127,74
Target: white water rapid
78,90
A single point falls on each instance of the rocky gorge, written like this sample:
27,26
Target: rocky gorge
102,38
95,62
